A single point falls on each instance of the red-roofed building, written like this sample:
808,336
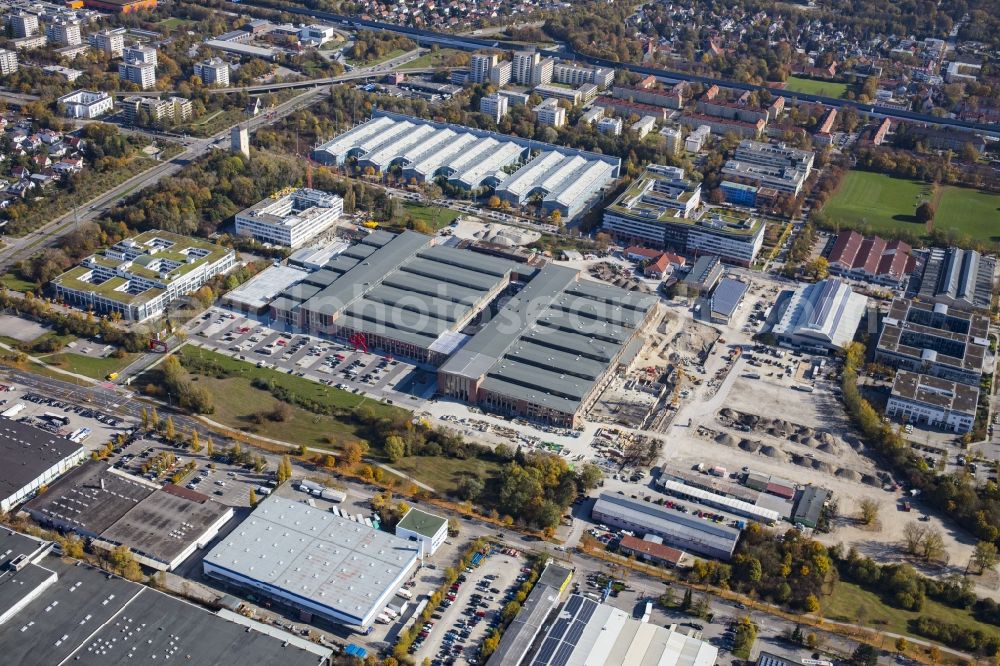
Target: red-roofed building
651,551
871,259
637,253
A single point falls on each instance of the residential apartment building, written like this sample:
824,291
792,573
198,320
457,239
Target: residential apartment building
542,74
213,72
494,106
87,104
8,62
500,73
612,126
550,113
64,32
523,66
480,66
22,24
570,73
110,41
558,92
695,141
139,55
674,139
933,401
644,126
142,74
292,219
147,111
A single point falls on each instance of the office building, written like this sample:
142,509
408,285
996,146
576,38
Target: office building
778,166
87,104
8,62
314,35
143,75
426,529
213,72
550,113
935,339
660,210
64,32
480,66
290,219
32,458
314,562
932,401
60,611
110,40
870,259
960,278
500,73
494,106
22,24
471,159
139,55
681,530
140,276
821,316
739,194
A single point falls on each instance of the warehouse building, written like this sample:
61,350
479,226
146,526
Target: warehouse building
254,296
474,160
870,258
428,530
651,549
590,633
731,505
138,277
398,293
32,458
519,636
726,300
809,507
934,339
58,611
678,530
315,562
659,210
551,349
933,401
162,527
820,316
959,278
290,218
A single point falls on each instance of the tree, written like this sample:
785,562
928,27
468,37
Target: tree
453,527
901,645
353,453
154,419
985,556
119,557
209,447
329,461
195,441
869,510
395,448
812,604
925,212
933,548
470,488
686,600
746,634
72,546
934,654
494,201
284,472
168,429
864,655
818,268
144,419
913,537
253,498
588,476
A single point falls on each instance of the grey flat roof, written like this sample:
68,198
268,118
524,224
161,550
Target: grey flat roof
262,288
521,633
727,296
316,556
164,524
941,393
80,500
27,452
88,617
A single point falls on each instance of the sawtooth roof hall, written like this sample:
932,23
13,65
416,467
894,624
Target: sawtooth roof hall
545,353
567,179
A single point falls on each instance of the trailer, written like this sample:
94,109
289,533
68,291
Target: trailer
333,495
403,592
13,411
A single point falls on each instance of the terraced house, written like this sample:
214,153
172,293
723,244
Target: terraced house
139,276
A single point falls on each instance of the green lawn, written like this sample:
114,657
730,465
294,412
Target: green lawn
850,603
237,401
432,215
377,61
88,366
172,22
445,474
432,59
884,203
14,283
814,87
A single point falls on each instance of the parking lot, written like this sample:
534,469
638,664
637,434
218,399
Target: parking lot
471,608
87,426
325,361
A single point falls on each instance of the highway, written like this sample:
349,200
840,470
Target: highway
473,43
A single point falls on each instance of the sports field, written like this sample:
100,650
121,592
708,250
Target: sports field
814,87
883,203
